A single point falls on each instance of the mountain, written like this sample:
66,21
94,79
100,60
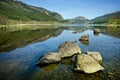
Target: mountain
77,20
111,18
17,10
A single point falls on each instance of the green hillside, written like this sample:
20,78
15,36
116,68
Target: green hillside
17,10
112,18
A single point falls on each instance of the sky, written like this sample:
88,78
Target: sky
74,8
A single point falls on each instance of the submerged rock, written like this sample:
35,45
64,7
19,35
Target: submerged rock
49,58
68,49
96,30
96,55
84,38
74,32
87,64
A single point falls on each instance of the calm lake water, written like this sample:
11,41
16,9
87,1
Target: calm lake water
19,53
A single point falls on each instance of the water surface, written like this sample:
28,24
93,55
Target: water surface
19,63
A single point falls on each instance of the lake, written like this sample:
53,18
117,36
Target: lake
20,49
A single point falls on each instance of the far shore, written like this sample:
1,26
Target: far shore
57,24
24,25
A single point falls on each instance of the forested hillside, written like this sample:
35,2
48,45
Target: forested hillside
112,18
17,10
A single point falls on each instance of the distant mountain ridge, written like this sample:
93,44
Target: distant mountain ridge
77,20
111,18
17,10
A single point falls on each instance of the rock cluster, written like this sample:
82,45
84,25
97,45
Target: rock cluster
88,63
66,49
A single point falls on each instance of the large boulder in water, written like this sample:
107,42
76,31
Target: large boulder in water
87,64
49,58
68,49
96,55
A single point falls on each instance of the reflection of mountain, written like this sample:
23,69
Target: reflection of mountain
113,31
15,39
108,30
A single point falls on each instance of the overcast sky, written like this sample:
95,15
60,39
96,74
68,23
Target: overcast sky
73,8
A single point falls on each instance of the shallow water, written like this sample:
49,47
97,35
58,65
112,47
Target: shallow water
20,63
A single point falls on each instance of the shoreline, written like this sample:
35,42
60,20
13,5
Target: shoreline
57,24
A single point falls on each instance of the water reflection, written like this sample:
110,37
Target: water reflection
85,42
113,31
109,30
10,40
96,34
20,63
